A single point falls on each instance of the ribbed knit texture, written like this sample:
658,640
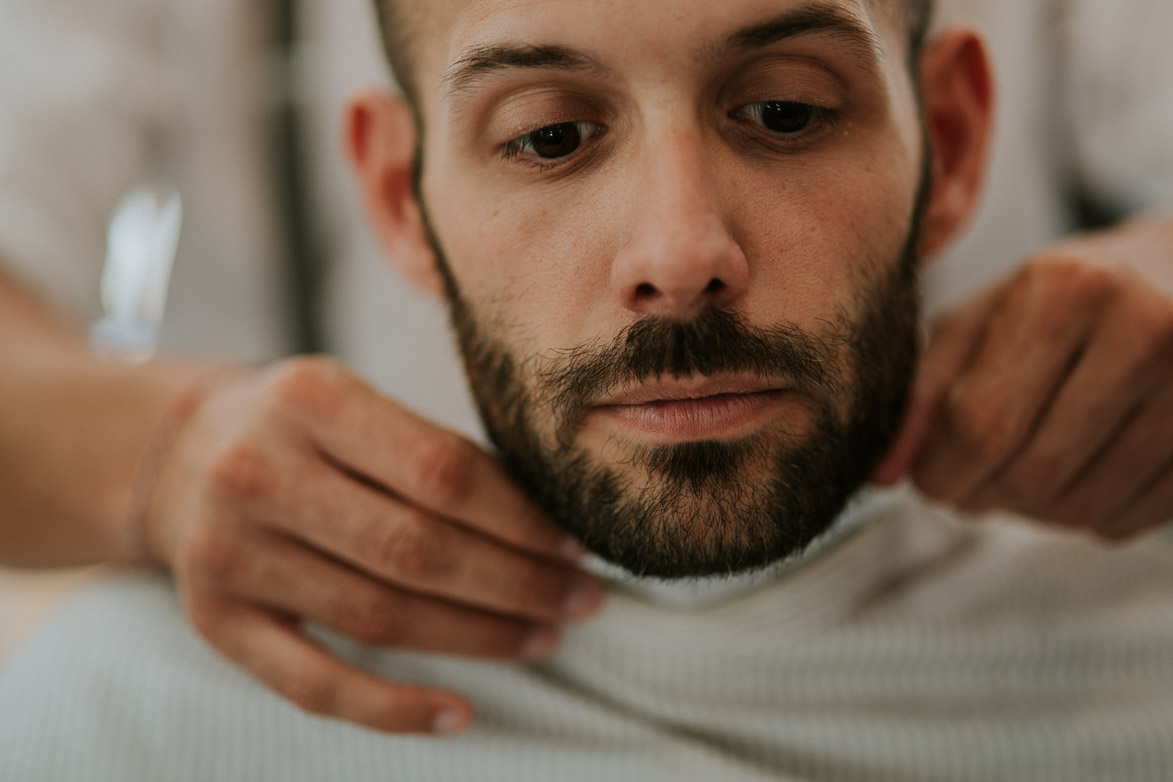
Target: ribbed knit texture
920,648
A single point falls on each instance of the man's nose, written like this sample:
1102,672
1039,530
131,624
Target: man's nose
680,255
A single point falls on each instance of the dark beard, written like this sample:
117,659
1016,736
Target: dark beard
710,507
706,511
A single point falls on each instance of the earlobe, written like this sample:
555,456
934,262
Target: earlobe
957,93
380,138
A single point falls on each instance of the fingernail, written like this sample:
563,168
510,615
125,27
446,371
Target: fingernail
541,643
449,721
584,599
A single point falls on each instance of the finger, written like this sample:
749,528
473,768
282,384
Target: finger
1154,508
1119,475
407,548
1095,405
306,674
431,468
281,574
1123,364
1027,351
950,348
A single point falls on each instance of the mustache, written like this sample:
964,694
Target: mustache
714,342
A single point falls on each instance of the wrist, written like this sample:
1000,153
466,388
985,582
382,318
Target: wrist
138,544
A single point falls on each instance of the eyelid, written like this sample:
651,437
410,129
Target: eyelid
529,108
805,78
516,146
813,107
821,115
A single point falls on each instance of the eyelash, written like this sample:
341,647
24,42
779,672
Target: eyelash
588,131
514,148
818,117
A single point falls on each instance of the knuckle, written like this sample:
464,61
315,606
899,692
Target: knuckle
1075,282
411,550
310,384
243,471
1055,326
443,470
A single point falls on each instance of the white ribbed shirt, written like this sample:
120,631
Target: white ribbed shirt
920,647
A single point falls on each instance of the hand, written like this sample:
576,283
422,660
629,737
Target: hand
299,494
1052,394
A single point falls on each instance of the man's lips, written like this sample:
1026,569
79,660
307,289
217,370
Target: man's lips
702,408
687,389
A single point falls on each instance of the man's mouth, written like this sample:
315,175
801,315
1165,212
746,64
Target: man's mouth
672,410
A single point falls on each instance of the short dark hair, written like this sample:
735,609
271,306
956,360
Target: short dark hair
918,15
397,45
395,29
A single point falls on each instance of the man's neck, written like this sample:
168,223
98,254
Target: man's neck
703,592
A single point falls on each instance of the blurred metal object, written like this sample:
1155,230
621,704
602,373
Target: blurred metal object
141,244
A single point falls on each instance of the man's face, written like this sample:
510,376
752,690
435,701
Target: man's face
677,239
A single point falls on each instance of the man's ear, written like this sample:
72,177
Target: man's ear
381,138
957,93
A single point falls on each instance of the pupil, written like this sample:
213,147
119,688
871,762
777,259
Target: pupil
785,116
556,140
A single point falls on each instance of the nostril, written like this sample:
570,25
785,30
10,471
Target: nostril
714,286
645,290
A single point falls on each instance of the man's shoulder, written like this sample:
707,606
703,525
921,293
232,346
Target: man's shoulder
934,563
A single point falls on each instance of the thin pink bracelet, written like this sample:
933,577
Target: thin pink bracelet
158,448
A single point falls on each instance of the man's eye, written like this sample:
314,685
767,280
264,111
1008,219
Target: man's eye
553,141
781,116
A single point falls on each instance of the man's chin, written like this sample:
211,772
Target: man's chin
702,540
697,509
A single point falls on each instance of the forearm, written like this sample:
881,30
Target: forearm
72,432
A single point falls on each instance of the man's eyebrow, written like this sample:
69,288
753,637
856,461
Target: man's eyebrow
807,20
483,60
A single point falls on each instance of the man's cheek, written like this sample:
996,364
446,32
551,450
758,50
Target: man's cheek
810,257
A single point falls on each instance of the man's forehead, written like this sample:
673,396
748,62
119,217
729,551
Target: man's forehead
450,29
